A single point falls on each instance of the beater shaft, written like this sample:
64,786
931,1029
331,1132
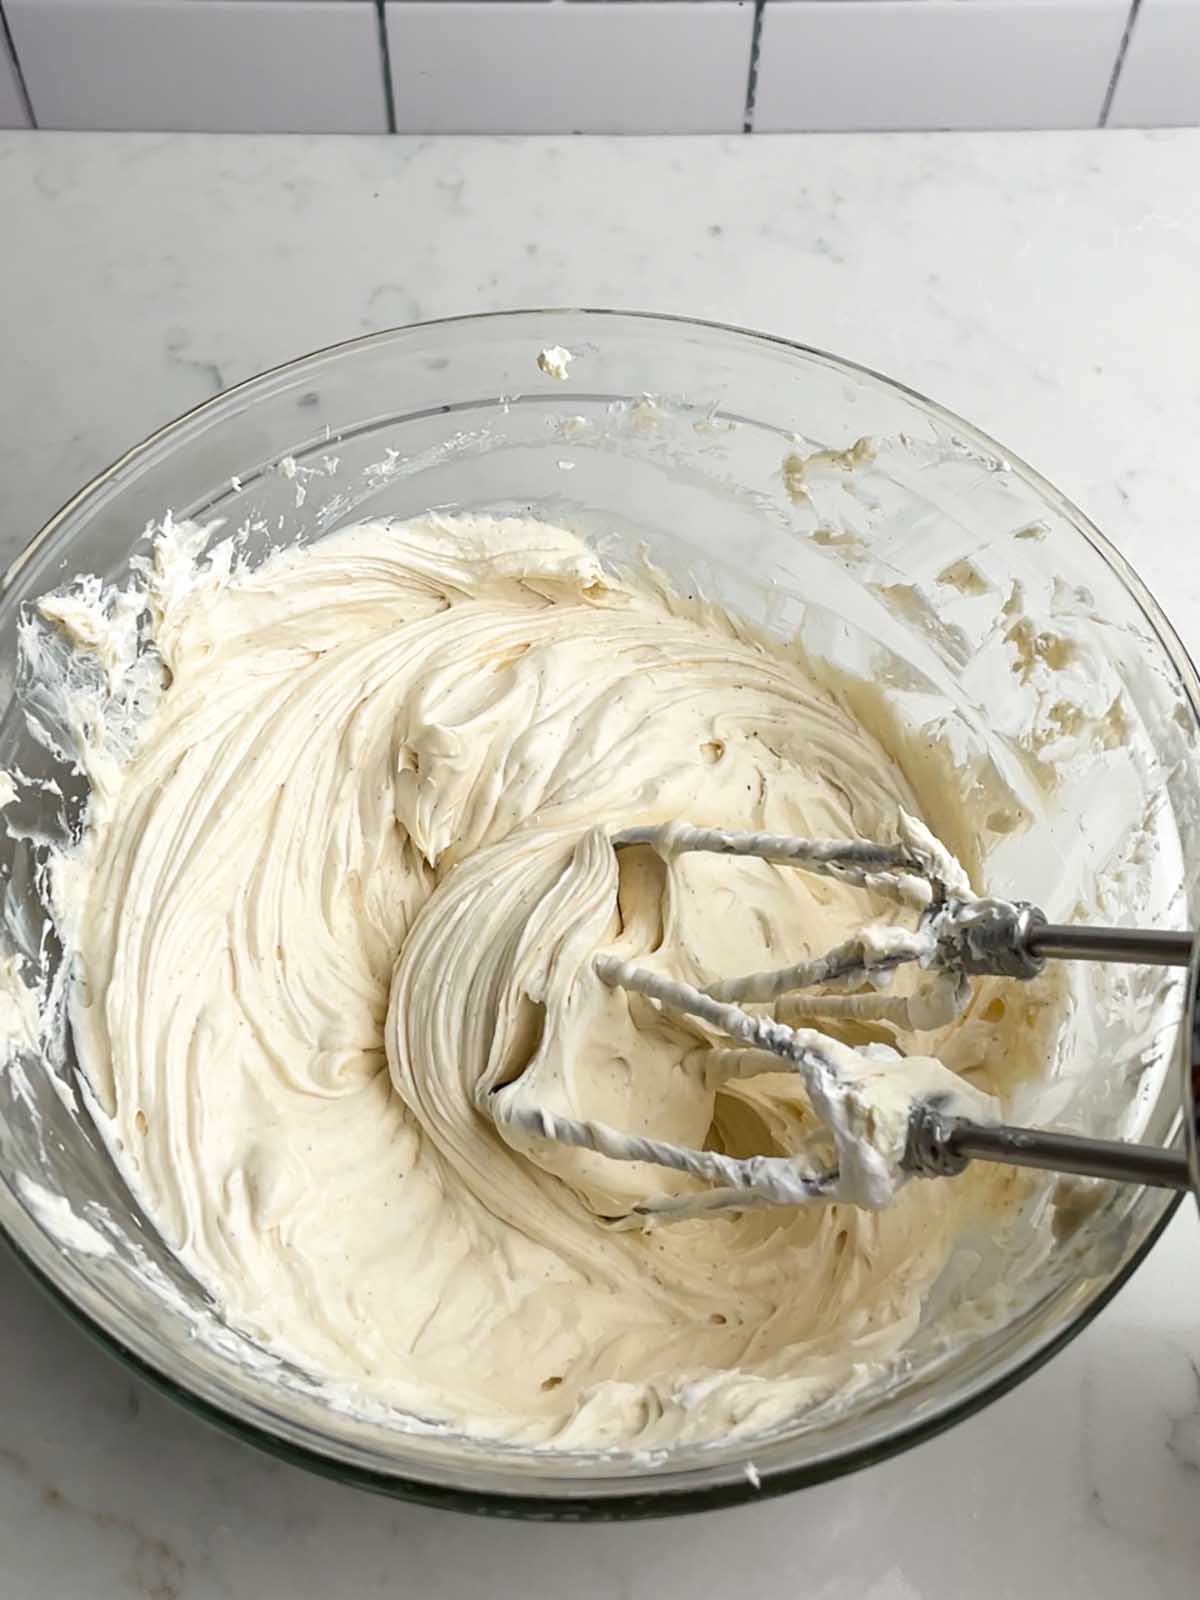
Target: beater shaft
942,1146
1132,946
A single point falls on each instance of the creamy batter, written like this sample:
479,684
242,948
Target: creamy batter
354,875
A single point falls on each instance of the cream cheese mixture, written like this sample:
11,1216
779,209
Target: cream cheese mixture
353,870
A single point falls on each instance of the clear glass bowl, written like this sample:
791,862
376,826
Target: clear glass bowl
702,443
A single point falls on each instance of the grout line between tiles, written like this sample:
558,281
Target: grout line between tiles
752,73
385,64
1110,92
6,43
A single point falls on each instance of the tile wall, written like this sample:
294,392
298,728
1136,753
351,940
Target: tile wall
597,66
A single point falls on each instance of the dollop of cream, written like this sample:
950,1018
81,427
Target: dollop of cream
352,880
554,362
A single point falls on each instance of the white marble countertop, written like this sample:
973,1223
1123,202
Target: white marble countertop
1042,284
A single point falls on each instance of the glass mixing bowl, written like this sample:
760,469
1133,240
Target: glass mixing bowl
917,559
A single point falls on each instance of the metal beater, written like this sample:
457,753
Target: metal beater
959,936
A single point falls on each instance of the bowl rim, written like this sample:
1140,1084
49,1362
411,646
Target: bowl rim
635,1498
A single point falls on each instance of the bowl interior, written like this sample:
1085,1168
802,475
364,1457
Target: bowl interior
969,608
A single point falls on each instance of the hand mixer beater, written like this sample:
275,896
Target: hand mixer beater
959,935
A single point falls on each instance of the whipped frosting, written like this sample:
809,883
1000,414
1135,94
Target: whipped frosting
554,362
350,880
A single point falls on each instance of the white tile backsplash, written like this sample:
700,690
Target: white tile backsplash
528,66
252,66
849,64
597,66
12,103
1159,84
